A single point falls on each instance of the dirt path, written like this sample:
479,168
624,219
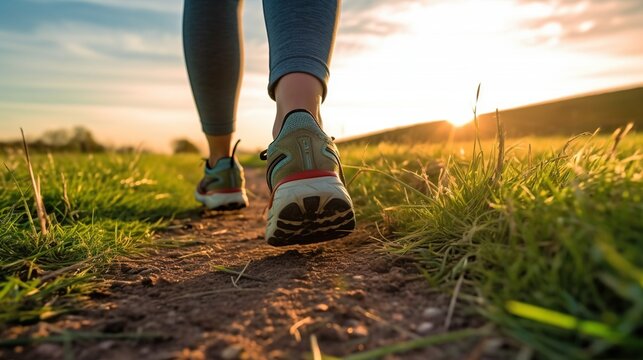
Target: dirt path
344,292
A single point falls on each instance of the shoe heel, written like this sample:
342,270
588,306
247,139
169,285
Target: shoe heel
223,201
310,211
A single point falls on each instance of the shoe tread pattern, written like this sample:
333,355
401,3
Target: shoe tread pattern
310,224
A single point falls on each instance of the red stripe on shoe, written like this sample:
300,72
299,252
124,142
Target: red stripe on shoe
222,191
308,174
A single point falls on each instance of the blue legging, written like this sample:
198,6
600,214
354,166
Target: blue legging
300,36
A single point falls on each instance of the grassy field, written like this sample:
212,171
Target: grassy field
542,238
98,207
545,240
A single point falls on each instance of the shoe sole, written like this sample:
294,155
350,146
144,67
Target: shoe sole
310,211
223,201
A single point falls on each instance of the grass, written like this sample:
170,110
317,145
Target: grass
98,207
419,343
544,238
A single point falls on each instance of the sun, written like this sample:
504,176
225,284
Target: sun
460,121
458,114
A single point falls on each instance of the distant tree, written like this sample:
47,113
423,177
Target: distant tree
56,137
127,149
183,146
77,139
82,140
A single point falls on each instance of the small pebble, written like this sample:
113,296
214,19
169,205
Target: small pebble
153,280
431,312
148,281
358,331
358,277
277,354
231,352
425,327
106,345
352,323
357,294
321,307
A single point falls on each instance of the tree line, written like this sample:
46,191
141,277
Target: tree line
81,139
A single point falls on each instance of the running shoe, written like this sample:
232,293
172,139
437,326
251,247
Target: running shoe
223,185
309,202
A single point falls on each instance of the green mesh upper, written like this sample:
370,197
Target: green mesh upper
301,145
226,174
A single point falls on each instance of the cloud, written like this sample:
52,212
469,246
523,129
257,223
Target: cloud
77,63
361,21
87,51
588,24
88,42
151,29
364,23
167,6
24,16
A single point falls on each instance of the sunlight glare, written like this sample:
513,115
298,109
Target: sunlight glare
431,68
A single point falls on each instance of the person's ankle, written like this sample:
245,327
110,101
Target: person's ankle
212,160
219,147
297,91
281,116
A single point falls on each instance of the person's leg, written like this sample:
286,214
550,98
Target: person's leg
309,202
301,35
213,54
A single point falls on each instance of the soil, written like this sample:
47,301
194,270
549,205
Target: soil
346,293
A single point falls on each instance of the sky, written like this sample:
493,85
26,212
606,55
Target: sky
117,68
